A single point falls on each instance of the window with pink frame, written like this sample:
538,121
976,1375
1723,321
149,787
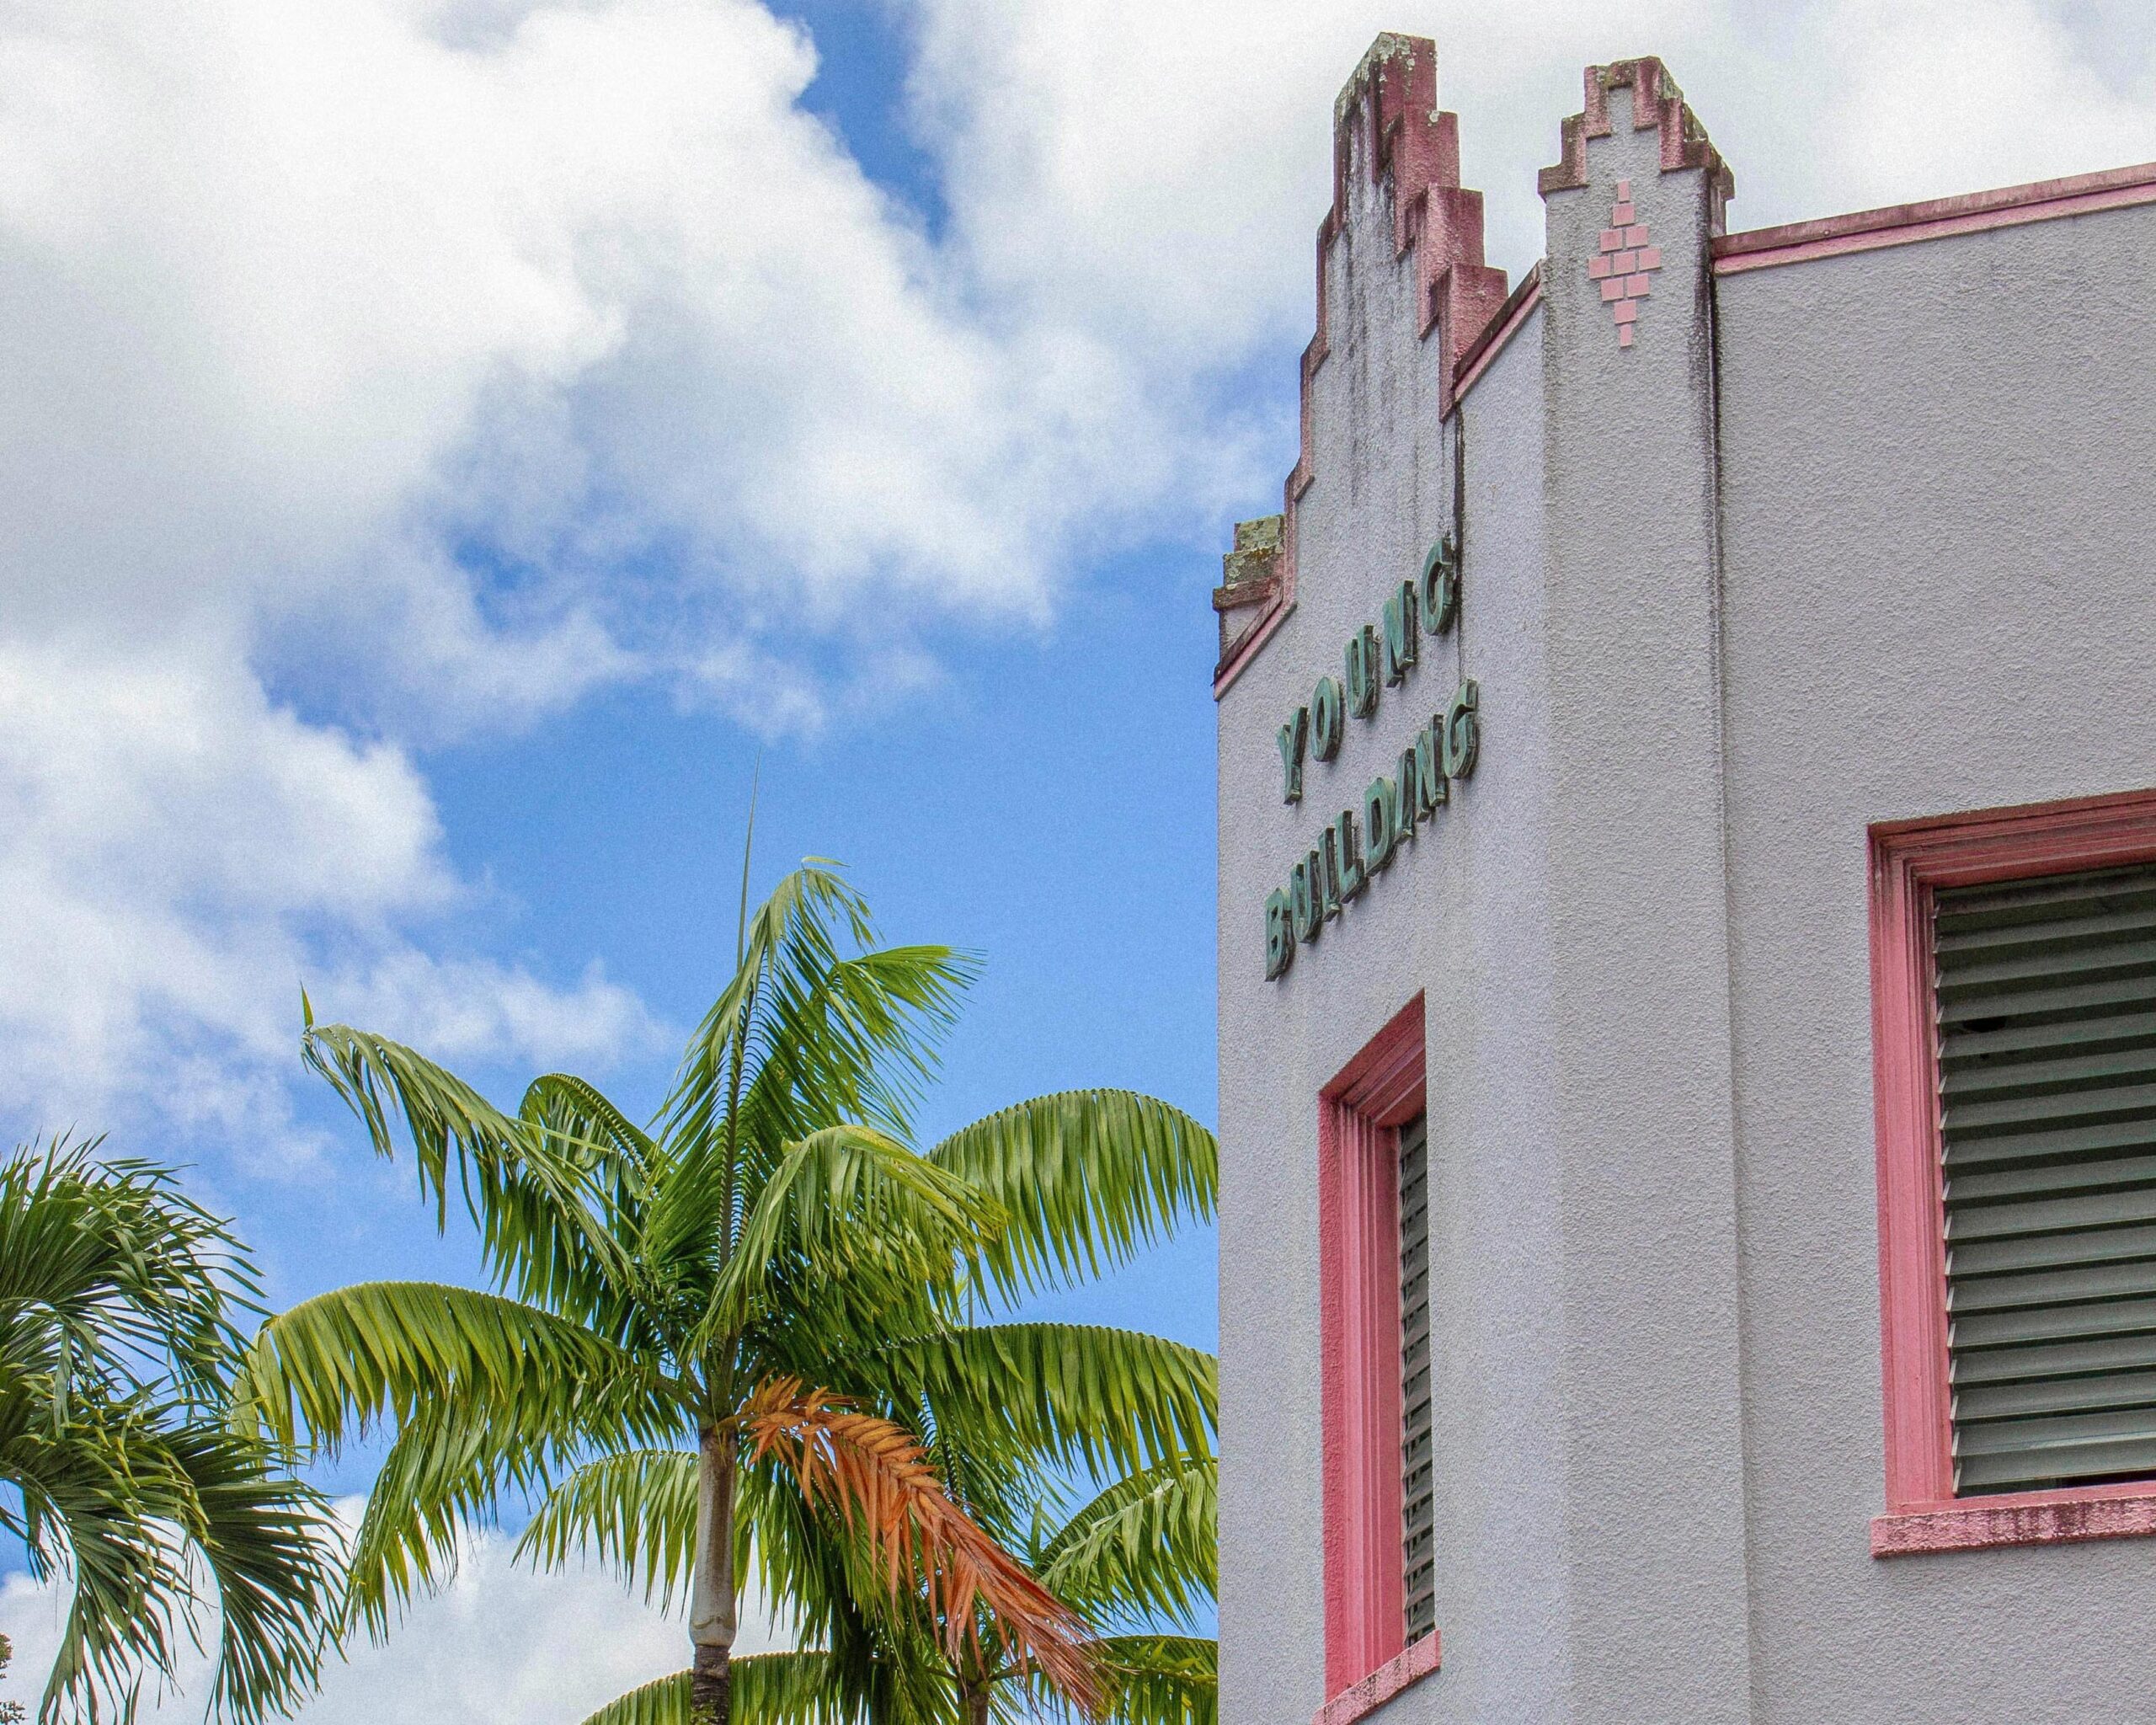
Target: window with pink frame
2013,1032
1371,1546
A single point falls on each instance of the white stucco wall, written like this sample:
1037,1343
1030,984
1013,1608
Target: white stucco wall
1847,540
1938,511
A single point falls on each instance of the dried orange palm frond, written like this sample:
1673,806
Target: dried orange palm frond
883,1486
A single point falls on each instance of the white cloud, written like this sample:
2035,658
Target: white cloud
445,359
177,856
502,1644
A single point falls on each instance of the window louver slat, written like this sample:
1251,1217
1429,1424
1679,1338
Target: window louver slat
2054,1358
1417,1500
2046,1000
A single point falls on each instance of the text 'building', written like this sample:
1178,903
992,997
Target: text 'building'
1688,955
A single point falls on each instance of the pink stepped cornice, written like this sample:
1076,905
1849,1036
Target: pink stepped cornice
1657,104
1394,96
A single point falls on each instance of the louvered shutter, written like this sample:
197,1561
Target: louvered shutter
1417,1503
2047,998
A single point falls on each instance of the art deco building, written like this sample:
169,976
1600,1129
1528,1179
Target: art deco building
1688,955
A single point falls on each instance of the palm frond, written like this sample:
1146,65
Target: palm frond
113,1276
578,1116
84,1516
526,1190
852,1041
332,1367
269,1544
1157,1679
795,929
1074,1393
802,1037
448,1472
875,1474
636,1511
1146,1547
1088,1177
852,1203
799,1688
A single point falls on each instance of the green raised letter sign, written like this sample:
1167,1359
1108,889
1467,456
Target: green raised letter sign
1326,718
1403,639
1279,934
1463,731
1363,672
1295,737
1440,586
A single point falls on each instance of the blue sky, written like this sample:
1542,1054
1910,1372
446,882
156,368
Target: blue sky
452,441
1045,801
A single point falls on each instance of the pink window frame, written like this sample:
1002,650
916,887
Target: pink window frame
1367,1660
1910,860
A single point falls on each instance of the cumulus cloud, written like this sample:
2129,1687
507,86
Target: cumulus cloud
502,1644
399,369
178,855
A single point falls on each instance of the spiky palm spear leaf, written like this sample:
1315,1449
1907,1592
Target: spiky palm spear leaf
115,1296
773,1228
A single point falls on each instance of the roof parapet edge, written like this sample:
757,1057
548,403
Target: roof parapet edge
1656,103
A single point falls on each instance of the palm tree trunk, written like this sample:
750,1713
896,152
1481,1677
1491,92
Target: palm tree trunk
977,1704
711,1598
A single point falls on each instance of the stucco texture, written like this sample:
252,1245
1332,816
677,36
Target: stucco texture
1937,509
1842,540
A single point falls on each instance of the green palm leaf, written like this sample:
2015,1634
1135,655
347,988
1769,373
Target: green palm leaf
1145,1546
117,1300
769,1688
1088,1177
265,1540
84,1515
850,1203
332,1366
1073,1393
1162,1679
110,1273
526,1189
636,1511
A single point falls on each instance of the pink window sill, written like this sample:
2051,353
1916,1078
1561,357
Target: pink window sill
2018,1518
1398,1673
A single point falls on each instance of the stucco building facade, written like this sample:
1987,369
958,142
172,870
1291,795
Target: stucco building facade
1688,955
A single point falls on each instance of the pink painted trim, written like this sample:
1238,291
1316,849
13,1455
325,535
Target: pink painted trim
1910,861
1408,1667
1657,104
1359,1322
1502,328
2018,1519
1257,635
1904,224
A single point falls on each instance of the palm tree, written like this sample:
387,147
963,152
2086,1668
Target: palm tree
766,1304
117,1297
1137,1562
